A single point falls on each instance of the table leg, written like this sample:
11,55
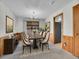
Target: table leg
35,46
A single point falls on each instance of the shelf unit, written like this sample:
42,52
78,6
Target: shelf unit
32,25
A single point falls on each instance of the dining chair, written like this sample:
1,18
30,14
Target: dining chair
44,34
43,37
45,41
41,33
25,35
26,43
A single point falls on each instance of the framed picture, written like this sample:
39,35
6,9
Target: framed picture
9,24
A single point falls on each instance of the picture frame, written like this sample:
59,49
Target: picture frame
9,24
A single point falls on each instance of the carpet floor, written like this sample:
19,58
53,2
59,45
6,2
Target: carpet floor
53,53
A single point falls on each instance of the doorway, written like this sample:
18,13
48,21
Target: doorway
58,30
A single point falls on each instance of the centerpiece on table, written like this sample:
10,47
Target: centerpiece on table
34,31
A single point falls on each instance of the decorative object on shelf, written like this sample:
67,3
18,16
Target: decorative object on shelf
9,24
34,31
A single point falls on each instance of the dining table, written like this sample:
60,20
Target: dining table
35,37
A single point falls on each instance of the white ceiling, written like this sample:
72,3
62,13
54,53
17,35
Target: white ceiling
42,8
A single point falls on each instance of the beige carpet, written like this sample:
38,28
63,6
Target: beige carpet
58,45
53,53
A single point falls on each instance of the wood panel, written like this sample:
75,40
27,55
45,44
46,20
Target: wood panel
51,38
67,43
1,46
18,36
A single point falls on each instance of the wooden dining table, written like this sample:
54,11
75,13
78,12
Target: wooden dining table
35,37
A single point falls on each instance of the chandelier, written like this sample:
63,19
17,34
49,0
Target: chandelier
33,15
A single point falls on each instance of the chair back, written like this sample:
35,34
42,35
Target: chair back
47,37
24,39
44,34
41,33
22,36
25,35
26,42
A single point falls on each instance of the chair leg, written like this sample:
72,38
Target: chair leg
48,46
23,49
40,44
30,49
42,47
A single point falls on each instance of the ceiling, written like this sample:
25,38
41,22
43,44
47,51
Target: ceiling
35,8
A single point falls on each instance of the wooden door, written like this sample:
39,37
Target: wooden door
76,29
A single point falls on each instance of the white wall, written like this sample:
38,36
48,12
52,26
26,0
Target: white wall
42,24
5,11
68,18
24,26
18,24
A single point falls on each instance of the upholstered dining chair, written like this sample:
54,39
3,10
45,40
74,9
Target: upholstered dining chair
26,43
45,41
44,34
41,33
25,35
43,37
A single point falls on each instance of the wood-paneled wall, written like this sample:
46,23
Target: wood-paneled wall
51,39
67,43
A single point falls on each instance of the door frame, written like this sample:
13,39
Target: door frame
61,26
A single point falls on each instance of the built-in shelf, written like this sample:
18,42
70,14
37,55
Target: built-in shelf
32,25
